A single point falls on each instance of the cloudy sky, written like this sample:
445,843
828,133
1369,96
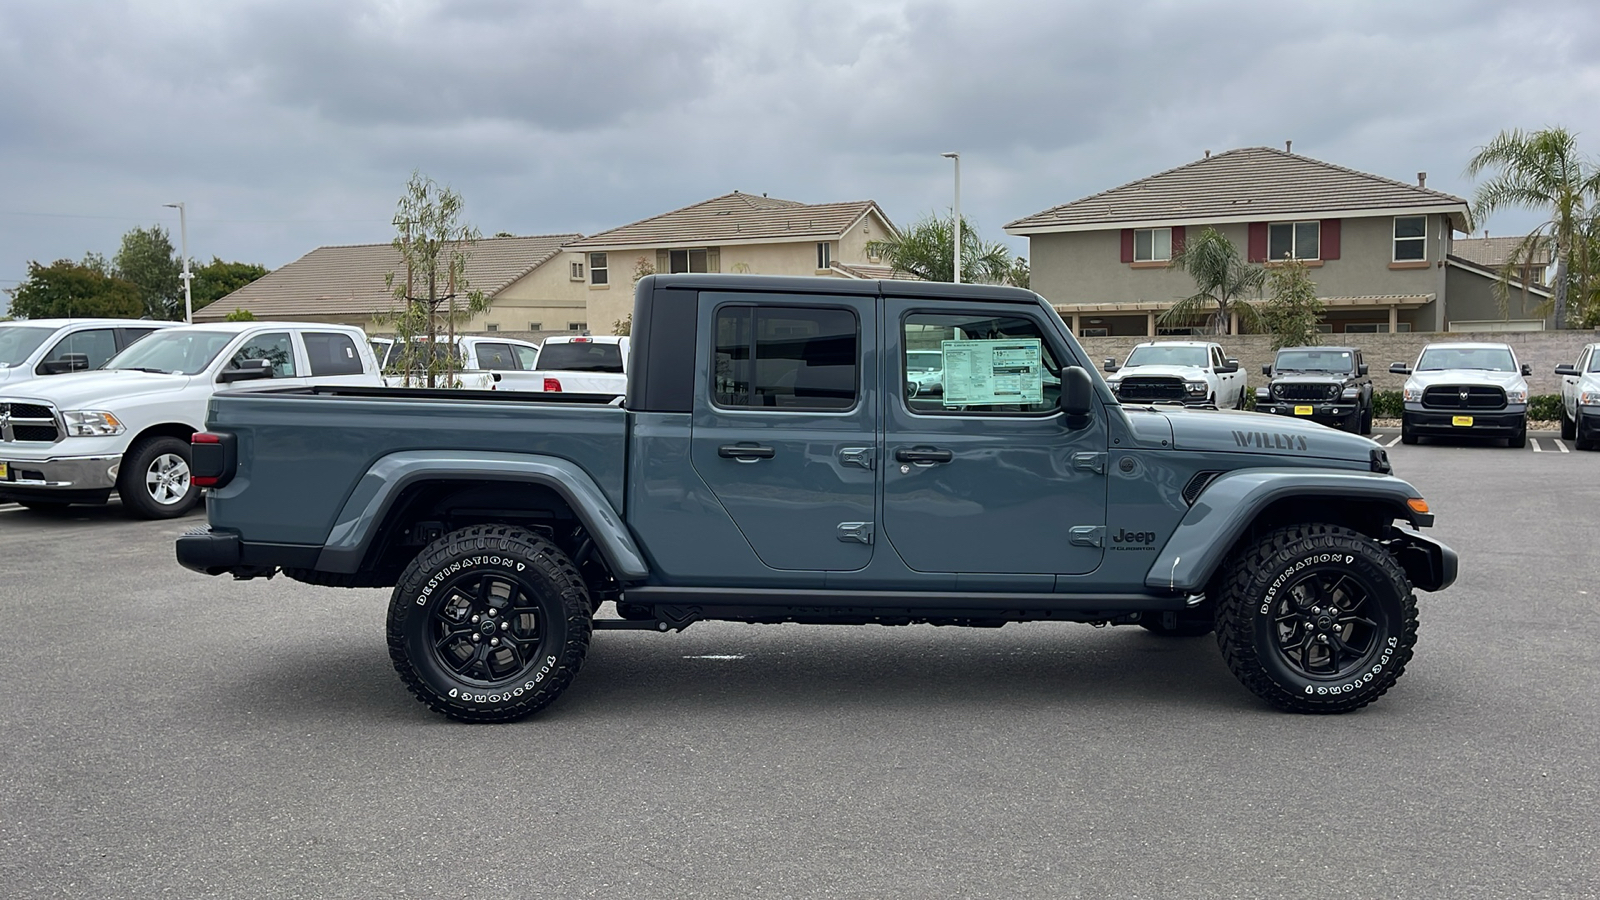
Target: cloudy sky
289,124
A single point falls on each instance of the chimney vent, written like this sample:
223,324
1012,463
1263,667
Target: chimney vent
1288,146
1422,179
1208,154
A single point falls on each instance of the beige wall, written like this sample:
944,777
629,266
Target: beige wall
1086,266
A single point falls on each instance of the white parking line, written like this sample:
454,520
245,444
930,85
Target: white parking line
1560,446
1535,443
1395,440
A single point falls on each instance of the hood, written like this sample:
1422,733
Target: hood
1187,373
1312,378
93,390
1507,380
13,373
1248,432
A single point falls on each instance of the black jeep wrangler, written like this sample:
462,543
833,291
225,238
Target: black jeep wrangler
1329,385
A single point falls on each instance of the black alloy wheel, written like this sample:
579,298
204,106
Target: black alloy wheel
489,624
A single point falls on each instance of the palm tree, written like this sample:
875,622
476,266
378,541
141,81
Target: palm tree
1222,276
926,251
1542,170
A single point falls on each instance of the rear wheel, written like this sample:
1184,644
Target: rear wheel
154,481
1316,619
489,624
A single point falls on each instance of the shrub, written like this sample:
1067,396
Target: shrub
1544,407
1387,404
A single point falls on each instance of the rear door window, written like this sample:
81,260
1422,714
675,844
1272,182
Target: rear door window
527,357
331,353
495,356
795,358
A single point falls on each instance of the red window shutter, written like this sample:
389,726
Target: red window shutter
1330,239
1258,242
1177,239
1127,245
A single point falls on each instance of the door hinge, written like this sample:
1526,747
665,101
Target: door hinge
857,456
1090,461
857,532
1087,536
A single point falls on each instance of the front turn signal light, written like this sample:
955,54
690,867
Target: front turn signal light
1417,504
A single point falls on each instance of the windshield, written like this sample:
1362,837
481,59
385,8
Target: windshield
17,341
924,360
1168,355
1594,361
176,351
1313,361
1488,359
580,356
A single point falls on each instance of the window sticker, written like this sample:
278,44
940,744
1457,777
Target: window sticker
1007,370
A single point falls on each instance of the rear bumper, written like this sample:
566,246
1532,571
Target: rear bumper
1496,423
215,552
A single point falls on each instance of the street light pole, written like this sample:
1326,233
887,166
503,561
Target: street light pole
183,244
957,229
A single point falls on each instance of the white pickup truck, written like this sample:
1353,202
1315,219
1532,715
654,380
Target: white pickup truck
34,347
479,362
578,365
76,438
1580,399
1191,373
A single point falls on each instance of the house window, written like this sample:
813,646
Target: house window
492,327
1374,327
577,270
580,327
1096,331
1410,238
686,261
1294,240
535,326
1152,244
824,255
597,268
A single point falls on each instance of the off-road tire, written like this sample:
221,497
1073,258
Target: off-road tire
540,630
134,489
1272,640
1569,427
1366,420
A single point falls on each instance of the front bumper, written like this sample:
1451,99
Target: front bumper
58,473
1588,423
1429,564
1511,420
1325,412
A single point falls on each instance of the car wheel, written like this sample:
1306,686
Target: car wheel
154,480
1366,420
1569,428
489,624
1316,618
1520,439
1407,435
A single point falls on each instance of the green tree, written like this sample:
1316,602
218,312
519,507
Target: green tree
147,260
927,251
241,315
1223,279
1020,275
65,288
1293,310
217,279
1542,171
434,294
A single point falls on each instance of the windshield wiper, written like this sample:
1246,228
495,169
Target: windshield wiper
143,369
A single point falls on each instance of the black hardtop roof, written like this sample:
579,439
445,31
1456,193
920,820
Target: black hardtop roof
1321,347
805,284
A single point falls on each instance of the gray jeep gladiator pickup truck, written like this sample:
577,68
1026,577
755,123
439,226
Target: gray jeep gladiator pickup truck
776,460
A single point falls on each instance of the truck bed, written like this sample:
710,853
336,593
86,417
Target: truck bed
314,445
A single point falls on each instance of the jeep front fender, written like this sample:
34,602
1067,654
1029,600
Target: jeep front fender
364,511
1229,504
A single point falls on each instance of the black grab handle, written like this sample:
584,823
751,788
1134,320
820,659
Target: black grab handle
744,451
908,455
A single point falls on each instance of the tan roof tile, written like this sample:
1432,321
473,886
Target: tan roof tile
735,219
349,279
1249,184
1494,251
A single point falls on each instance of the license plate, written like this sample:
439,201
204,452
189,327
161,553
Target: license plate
1462,421
1302,410
4,472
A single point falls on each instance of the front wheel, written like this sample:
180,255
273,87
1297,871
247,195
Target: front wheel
1366,420
1407,435
489,624
153,480
1520,439
1316,619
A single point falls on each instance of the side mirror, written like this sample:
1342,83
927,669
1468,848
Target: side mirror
1361,369
911,389
246,370
1399,369
1229,368
1527,369
1111,365
1266,368
1566,370
67,362
1077,396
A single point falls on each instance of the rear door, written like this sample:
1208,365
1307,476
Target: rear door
784,431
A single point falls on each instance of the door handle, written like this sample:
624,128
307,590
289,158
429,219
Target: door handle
745,452
923,456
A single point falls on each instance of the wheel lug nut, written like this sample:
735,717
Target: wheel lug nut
474,639
494,642
491,611
504,625
475,617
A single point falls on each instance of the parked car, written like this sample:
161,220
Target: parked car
1324,384
1465,389
579,365
1580,399
925,370
478,361
772,469
77,438
1193,373
30,348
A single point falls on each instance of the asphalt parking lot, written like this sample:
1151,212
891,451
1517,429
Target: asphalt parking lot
168,734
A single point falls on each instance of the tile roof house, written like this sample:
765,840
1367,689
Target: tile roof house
345,284
735,232
1379,250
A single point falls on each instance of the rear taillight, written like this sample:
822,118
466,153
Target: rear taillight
552,384
212,459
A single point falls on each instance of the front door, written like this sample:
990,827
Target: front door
785,425
981,472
